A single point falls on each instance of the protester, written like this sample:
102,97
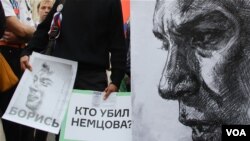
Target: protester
19,29
43,8
89,32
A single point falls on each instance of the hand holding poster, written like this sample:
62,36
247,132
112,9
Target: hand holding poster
90,118
42,94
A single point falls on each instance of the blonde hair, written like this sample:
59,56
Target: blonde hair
44,1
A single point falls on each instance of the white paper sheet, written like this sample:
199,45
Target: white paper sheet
42,94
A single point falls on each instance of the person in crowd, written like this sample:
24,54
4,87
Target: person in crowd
89,33
207,68
19,29
43,8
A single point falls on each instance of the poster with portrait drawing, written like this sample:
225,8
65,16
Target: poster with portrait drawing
190,68
42,94
154,119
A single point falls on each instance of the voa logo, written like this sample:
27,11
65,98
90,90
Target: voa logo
236,132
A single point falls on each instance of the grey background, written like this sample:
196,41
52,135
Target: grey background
155,119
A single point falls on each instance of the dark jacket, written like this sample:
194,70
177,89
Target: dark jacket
91,29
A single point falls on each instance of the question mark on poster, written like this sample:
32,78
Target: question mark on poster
129,124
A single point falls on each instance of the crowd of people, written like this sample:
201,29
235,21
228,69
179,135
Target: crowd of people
96,41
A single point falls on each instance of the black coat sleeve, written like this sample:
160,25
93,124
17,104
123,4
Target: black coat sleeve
117,47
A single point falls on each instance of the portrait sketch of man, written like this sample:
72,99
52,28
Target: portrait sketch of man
154,119
41,80
46,87
206,66
42,95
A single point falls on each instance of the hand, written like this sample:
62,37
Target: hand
24,61
111,88
11,37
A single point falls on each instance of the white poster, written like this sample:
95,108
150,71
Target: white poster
42,94
90,118
154,118
190,69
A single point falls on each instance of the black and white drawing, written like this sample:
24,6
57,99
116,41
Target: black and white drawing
42,95
154,118
37,90
206,70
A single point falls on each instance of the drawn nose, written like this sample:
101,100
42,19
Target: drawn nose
177,77
35,84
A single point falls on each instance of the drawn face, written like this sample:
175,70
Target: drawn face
44,8
207,64
41,82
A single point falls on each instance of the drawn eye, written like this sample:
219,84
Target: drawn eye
45,82
205,39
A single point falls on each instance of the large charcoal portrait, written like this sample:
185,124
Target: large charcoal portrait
205,68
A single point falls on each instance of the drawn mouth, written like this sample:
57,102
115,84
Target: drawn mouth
32,98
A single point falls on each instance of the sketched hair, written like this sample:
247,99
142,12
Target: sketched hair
239,9
46,69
